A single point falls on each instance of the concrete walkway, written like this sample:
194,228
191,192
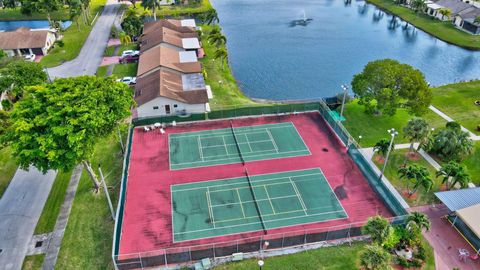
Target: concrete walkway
91,55
445,240
20,208
473,136
62,220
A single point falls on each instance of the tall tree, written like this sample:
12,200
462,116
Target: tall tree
418,5
41,6
375,258
210,17
132,25
416,130
453,173
451,143
419,219
153,5
222,55
55,126
419,175
381,147
446,12
74,11
17,75
385,85
379,229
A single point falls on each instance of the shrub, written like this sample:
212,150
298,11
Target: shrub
60,43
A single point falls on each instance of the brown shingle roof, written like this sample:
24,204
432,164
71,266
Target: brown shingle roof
157,36
23,38
166,57
167,84
175,25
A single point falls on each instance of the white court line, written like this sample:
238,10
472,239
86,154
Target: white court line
209,205
253,182
270,201
240,201
304,144
248,142
261,153
232,226
299,196
200,147
272,139
225,145
226,131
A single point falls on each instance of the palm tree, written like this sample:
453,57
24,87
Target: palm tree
381,147
446,12
419,219
222,55
419,175
452,144
210,17
218,39
418,5
152,5
125,38
375,258
215,30
453,173
416,130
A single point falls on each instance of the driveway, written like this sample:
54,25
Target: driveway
20,209
91,55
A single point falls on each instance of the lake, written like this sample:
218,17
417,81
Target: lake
12,25
273,56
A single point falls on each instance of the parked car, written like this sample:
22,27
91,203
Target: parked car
129,58
130,52
29,57
128,80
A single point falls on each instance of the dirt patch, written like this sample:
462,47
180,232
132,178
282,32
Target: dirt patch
379,159
413,156
407,195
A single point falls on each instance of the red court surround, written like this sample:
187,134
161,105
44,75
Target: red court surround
147,215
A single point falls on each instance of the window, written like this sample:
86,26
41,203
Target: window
155,107
175,105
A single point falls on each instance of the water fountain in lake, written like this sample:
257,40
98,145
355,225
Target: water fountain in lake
303,21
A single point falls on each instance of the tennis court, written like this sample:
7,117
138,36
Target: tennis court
234,145
252,203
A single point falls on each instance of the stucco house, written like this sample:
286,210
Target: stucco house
27,41
165,92
167,34
465,20
167,58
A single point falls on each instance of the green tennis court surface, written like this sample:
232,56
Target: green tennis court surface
221,146
230,206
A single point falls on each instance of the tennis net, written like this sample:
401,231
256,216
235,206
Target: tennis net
236,143
255,200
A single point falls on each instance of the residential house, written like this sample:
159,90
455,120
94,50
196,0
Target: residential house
27,41
168,58
466,20
169,35
455,6
165,92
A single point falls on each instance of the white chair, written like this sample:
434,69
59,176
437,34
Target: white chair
174,124
157,125
162,131
146,129
152,127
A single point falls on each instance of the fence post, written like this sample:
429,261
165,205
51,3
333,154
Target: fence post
214,255
166,262
304,237
190,253
140,257
283,239
349,236
237,245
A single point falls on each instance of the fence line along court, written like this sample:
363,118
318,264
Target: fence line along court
230,145
230,206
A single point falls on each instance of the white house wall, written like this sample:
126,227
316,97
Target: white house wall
148,109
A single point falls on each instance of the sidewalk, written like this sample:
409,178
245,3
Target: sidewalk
20,208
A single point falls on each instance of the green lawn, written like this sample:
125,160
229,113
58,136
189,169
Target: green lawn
177,10
50,212
331,258
125,70
396,160
373,128
473,164
7,168
87,243
224,87
109,51
9,14
442,30
102,71
74,38
457,101
33,262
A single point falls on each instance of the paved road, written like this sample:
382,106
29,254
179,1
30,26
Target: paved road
91,54
20,209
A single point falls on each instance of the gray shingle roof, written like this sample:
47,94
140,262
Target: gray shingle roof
459,199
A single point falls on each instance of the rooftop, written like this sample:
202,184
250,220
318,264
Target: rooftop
23,38
182,61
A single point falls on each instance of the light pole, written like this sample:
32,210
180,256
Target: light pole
345,90
260,263
393,133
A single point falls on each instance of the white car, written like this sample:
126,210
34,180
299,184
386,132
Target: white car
29,57
130,52
128,80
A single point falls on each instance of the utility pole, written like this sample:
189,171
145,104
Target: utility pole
106,192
